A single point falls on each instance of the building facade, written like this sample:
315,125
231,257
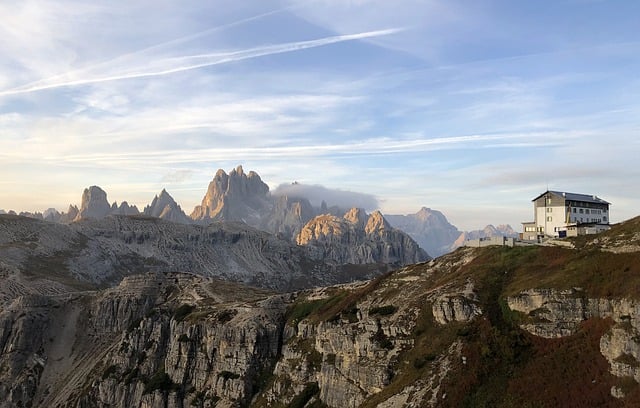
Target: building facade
561,214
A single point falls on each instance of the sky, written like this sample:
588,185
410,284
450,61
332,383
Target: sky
472,108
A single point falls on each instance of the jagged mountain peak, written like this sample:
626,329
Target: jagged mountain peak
358,238
376,222
234,196
433,216
357,217
165,207
94,204
238,170
430,228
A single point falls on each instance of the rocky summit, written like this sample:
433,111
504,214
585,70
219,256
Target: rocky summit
94,204
165,207
495,326
236,196
358,238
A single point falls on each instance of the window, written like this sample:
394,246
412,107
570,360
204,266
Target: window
604,218
549,219
574,210
581,212
549,209
548,201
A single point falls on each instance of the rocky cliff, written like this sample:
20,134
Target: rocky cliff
235,196
358,238
94,204
524,326
165,207
288,216
39,256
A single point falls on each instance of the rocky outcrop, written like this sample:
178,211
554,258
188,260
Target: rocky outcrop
358,238
137,345
430,334
174,340
100,252
235,197
94,204
70,215
288,216
51,215
165,207
556,313
454,309
124,209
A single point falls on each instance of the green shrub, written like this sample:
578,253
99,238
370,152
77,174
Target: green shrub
228,375
159,381
383,310
110,371
182,311
135,323
130,376
226,315
382,340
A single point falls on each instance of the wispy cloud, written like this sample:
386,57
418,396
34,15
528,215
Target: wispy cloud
185,63
369,147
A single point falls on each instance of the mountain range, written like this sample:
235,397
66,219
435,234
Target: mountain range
244,197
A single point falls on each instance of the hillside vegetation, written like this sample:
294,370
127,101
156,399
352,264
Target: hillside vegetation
481,327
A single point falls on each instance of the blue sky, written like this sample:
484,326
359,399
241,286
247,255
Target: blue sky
469,107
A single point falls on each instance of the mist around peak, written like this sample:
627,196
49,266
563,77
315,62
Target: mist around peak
317,193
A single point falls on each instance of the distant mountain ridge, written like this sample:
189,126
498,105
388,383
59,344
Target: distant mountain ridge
429,228
244,197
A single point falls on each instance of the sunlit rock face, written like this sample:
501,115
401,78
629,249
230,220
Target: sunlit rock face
94,204
234,196
358,238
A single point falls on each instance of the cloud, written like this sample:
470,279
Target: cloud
316,194
99,154
166,66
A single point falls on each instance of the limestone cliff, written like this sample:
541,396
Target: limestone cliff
94,204
496,326
165,207
288,216
234,196
40,256
358,238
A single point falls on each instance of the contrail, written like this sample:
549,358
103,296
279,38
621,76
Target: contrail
186,63
43,82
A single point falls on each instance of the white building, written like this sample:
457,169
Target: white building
560,214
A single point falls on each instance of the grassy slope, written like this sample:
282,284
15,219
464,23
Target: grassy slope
506,366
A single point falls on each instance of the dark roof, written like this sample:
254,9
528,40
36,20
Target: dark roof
575,197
